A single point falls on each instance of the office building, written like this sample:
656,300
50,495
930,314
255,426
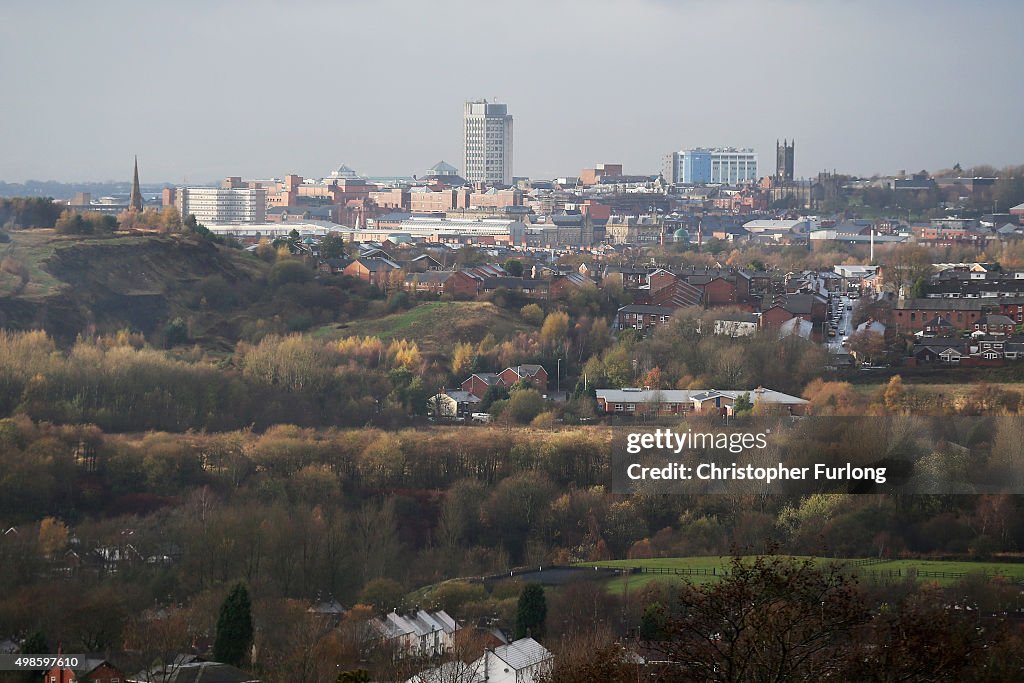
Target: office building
487,143
223,206
719,166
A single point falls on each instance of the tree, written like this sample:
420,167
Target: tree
332,246
383,595
532,612
234,627
743,403
555,329
72,223
533,314
772,619
514,267
525,404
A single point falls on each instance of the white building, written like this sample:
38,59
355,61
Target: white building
223,206
422,634
715,166
487,143
522,661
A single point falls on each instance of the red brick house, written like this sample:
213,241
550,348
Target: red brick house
373,270
775,316
455,283
564,285
536,375
88,671
640,317
995,324
719,292
478,383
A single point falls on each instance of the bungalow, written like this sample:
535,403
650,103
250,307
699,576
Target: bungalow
521,661
940,353
333,266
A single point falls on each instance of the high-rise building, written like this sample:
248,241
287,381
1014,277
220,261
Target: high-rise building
720,166
487,143
784,161
220,205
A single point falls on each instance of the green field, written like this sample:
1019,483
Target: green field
889,570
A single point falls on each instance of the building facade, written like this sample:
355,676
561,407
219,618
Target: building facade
720,166
487,143
223,206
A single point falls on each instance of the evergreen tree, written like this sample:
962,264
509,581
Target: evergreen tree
234,627
532,612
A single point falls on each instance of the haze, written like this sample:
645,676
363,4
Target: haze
201,90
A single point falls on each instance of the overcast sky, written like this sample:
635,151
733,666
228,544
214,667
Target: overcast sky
202,89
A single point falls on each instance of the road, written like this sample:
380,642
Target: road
844,327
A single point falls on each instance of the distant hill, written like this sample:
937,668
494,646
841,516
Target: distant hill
71,285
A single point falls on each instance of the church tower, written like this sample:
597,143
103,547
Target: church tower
784,161
135,201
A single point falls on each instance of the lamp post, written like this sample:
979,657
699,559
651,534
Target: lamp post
558,377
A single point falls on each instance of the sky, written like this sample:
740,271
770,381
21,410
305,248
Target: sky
203,89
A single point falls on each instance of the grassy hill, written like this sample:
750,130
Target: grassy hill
436,326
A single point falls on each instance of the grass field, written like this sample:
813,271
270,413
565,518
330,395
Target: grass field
436,326
885,570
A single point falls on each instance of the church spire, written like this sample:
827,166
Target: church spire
135,201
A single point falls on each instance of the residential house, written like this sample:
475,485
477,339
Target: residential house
796,327
375,271
333,266
93,670
437,282
521,661
641,317
536,375
995,324
938,327
563,285
453,404
478,383
423,634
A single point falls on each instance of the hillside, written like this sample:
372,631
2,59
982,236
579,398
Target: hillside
436,326
68,285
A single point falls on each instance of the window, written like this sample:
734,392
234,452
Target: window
630,407
618,407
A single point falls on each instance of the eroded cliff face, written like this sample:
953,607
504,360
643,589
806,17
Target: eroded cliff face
108,285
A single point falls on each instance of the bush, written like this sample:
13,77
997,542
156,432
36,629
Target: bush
289,271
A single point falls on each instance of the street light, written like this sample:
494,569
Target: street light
558,377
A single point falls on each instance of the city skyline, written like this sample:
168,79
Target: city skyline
866,88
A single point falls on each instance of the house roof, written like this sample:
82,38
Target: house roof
430,277
210,672
463,397
487,377
630,395
526,370
522,653
1000,320
738,317
646,309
